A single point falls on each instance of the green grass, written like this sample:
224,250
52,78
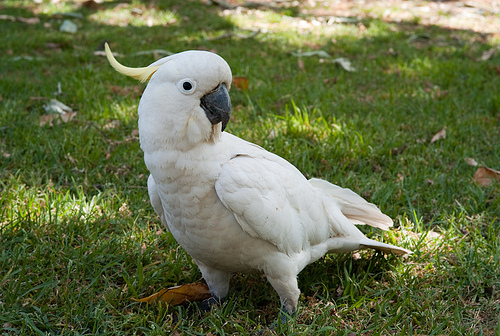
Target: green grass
78,237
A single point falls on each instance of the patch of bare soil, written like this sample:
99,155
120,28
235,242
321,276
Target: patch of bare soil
482,16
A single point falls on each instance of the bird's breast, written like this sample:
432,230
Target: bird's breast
195,216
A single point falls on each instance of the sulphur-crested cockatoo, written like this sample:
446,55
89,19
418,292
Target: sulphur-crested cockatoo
233,206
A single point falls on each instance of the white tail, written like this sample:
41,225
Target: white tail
353,206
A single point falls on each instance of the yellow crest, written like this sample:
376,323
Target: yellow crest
142,74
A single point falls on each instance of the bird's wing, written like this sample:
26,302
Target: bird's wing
273,201
155,200
353,206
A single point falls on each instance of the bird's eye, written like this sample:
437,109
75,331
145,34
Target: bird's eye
186,85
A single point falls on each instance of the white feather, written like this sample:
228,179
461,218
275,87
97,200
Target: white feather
353,206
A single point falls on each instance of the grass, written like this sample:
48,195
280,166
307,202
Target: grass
77,234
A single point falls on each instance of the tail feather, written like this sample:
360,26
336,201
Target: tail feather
387,248
353,206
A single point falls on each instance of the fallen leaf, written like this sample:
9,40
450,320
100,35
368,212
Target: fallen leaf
416,37
57,118
240,82
391,51
344,63
300,63
175,296
157,53
330,80
68,26
113,124
471,161
55,106
235,34
30,20
7,17
433,235
53,46
485,176
319,53
27,58
439,135
487,54
65,117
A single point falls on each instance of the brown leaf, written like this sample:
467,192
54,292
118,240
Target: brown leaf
240,83
487,54
439,135
30,20
7,17
175,296
56,118
301,65
485,176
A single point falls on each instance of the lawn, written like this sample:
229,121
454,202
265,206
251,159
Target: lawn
403,109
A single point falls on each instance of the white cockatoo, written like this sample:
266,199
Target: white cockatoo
232,205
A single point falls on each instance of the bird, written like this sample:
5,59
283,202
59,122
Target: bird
232,205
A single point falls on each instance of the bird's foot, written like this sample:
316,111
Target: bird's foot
207,304
285,316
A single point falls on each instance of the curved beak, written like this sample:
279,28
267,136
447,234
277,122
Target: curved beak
217,105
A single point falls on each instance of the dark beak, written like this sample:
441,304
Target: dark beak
217,105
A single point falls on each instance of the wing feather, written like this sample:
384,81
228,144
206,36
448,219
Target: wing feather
266,200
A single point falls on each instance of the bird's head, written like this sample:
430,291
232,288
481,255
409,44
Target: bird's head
186,100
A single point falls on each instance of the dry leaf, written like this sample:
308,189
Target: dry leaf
68,26
30,20
56,118
240,83
439,135
344,63
175,296
319,53
487,54
471,161
7,17
485,176
301,65
55,106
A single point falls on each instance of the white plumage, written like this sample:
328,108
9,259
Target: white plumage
233,206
